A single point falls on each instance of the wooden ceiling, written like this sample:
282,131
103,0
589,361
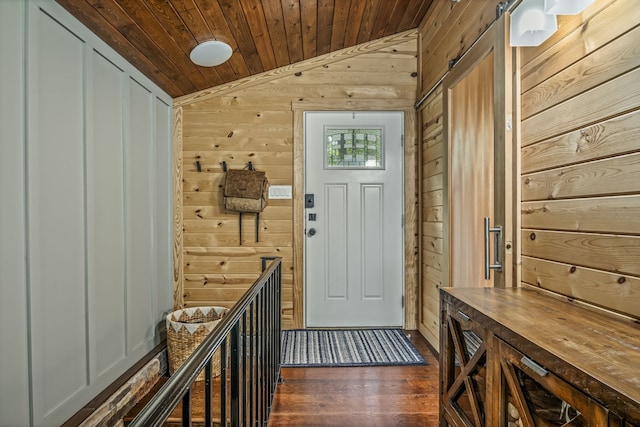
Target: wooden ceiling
156,36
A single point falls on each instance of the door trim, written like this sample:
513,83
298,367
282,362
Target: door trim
410,196
506,166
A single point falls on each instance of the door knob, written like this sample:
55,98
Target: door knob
311,232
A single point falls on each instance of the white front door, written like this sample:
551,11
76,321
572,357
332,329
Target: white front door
354,264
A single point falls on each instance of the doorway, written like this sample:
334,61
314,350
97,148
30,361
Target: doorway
354,238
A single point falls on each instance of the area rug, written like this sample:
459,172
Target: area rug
350,347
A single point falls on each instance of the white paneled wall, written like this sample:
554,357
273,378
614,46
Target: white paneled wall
14,362
105,213
85,214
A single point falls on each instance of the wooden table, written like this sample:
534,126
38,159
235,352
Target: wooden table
591,354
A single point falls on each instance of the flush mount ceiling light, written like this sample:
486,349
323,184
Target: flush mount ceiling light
566,7
211,53
530,25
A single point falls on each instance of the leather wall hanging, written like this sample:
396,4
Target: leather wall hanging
245,190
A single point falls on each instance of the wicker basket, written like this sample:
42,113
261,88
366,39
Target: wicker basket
185,331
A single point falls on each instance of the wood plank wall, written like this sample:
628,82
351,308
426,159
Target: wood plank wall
580,165
252,120
581,158
446,33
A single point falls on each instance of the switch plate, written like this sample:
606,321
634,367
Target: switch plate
279,192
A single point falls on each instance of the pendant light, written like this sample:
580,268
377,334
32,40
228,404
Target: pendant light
530,25
566,7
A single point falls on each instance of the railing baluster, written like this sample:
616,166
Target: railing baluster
259,333
268,349
278,338
223,383
244,369
235,377
250,331
263,375
252,345
186,409
208,418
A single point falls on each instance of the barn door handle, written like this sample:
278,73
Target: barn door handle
497,249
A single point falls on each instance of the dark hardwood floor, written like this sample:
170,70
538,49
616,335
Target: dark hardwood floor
371,396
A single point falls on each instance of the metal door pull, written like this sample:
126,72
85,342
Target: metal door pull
497,249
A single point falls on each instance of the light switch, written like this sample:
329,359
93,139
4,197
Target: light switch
279,192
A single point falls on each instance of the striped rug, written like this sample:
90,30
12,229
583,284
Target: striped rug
351,347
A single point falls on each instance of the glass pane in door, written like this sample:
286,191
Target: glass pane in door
351,148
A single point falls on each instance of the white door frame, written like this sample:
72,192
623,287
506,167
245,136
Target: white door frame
411,267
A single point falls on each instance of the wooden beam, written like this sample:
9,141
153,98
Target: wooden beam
178,267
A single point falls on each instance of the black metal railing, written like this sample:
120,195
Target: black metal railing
248,337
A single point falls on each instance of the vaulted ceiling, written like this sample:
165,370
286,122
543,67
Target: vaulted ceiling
156,36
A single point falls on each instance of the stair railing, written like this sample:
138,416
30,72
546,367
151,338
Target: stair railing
249,338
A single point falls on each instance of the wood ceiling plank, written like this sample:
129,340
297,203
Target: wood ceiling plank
425,6
157,36
194,20
137,37
309,15
86,14
354,22
126,26
368,19
340,16
325,26
175,50
258,26
393,22
409,14
237,22
384,13
103,29
177,30
291,12
275,23
206,22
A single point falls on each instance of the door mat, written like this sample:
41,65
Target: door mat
349,347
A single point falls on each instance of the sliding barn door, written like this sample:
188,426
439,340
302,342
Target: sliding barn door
478,176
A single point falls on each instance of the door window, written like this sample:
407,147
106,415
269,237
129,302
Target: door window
351,148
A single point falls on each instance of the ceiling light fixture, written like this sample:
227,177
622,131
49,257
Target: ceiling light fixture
530,25
211,53
566,7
